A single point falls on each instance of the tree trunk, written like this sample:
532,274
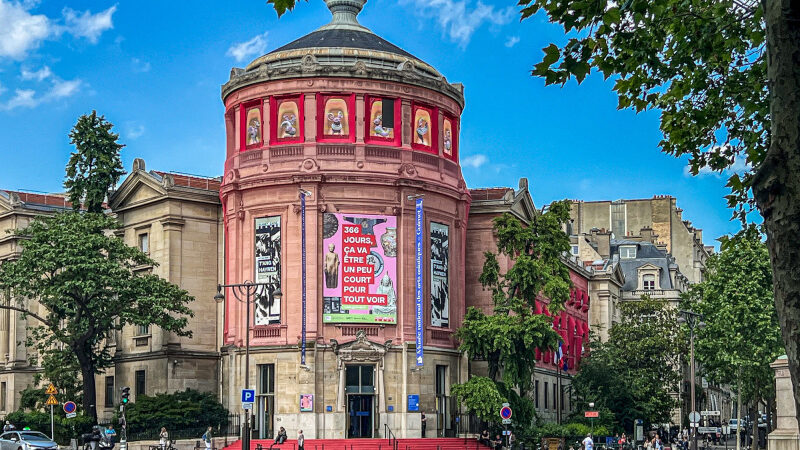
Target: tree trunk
754,424
776,185
89,390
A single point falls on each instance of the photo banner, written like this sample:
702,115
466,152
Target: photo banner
359,269
418,280
268,269
440,286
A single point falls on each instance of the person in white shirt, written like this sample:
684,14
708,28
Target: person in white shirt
588,443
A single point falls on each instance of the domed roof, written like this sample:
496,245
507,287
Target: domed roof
343,48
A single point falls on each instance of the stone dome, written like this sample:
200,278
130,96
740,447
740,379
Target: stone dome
346,48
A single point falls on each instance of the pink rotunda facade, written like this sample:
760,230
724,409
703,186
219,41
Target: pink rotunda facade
332,142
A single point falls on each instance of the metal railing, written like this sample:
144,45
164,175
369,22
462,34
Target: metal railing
387,433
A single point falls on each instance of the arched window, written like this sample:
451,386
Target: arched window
649,282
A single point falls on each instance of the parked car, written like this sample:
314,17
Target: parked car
733,425
26,440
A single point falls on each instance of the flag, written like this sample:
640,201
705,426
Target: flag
558,354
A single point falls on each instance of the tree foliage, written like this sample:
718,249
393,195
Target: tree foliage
701,63
636,372
508,338
95,166
479,395
85,281
742,336
281,6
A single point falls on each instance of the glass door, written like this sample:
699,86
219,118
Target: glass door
360,389
265,401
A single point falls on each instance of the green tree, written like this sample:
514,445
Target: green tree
95,166
82,277
725,78
637,371
78,280
508,338
742,336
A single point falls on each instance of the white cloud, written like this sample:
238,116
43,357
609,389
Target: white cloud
474,161
247,50
88,25
133,130
21,31
140,66
27,98
739,166
38,75
460,19
512,41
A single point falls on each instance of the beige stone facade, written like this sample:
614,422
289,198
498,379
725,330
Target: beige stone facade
660,215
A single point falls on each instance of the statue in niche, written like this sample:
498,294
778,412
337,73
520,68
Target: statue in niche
289,125
254,131
331,268
335,122
379,129
422,131
448,142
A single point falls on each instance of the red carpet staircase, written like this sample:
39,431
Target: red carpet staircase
368,444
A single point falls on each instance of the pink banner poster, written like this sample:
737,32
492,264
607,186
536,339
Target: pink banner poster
359,269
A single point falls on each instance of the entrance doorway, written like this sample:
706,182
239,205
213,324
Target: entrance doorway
360,389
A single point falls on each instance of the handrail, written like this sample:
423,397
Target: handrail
387,433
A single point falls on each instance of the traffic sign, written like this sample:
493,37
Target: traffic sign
708,430
694,425
709,413
694,416
505,412
592,414
72,415
51,390
247,406
506,421
248,395
51,401
70,407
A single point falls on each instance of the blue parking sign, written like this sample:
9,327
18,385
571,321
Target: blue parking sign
248,395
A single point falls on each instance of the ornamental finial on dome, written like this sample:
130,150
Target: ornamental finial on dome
345,15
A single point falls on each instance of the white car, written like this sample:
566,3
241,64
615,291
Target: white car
733,425
26,440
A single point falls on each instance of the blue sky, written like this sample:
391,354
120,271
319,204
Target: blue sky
154,69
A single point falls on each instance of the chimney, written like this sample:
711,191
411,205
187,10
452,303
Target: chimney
647,235
602,241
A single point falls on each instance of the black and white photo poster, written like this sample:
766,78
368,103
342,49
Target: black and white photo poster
268,269
440,287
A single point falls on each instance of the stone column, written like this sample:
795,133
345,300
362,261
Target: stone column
786,435
340,392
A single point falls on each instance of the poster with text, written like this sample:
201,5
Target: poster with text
268,270
359,268
440,287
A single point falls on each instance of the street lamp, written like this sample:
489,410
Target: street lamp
693,320
591,406
245,293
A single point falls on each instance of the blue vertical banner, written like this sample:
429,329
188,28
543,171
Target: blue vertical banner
418,280
303,253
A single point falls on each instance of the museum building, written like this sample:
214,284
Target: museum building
342,198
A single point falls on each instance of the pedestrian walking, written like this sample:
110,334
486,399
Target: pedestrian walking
8,427
424,423
207,438
301,440
588,443
163,438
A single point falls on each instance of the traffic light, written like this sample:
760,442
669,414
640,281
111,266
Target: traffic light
126,393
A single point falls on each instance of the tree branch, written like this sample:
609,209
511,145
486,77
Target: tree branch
25,311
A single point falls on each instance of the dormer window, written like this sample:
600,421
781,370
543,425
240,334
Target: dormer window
649,282
574,250
627,252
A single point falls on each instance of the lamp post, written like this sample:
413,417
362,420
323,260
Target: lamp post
693,320
591,406
245,293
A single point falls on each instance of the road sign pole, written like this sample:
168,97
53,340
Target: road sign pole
52,425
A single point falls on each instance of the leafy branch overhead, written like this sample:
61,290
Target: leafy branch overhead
701,63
